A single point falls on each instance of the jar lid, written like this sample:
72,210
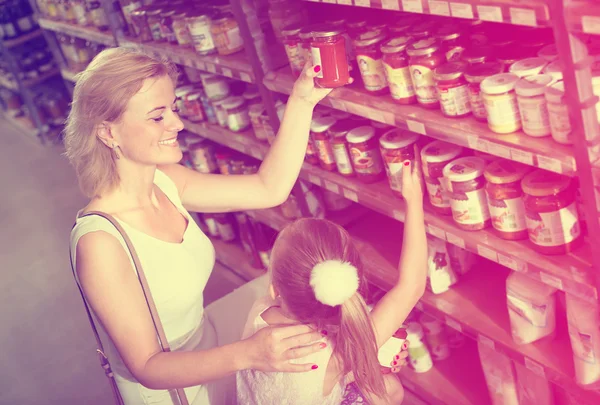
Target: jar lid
464,169
356,24
450,70
183,90
414,332
400,27
233,102
440,151
398,138
397,44
193,95
361,134
555,93
477,73
532,86
326,30
498,84
292,29
554,69
339,22
423,47
549,53
421,30
154,11
341,128
306,32
369,38
528,67
505,171
476,54
322,124
541,183
448,32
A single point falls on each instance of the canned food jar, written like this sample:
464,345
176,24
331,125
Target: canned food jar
551,209
357,27
153,16
180,29
532,104
223,159
98,16
180,94
528,67
319,130
422,30
199,28
452,89
401,25
216,87
452,42
370,62
397,71
294,49
434,157
364,150
505,198
166,26
558,114
554,69
226,34
339,145
255,112
140,25
238,118
500,100
193,106
466,187
328,49
202,155
424,59
477,55
80,13
474,75
397,146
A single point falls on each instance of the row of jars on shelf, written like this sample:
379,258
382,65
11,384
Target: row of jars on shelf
81,12
51,102
16,19
34,60
78,52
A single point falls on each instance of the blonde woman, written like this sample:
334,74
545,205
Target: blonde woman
121,137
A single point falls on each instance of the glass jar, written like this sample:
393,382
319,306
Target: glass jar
356,28
558,114
555,69
293,48
532,104
128,7
202,155
505,198
452,89
500,100
80,13
319,131
97,15
180,29
193,106
226,34
180,94
528,67
397,146
153,16
424,59
451,41
475,56
209,112
397,71
339,145
216,87
211,225
66,10
328,49
370,62
466,187
140,25
474,75
364,150
221,113
223,158
166,26
238,118
199,28
420,31
312,155
434,157
551,209
401,25
305,36
282,13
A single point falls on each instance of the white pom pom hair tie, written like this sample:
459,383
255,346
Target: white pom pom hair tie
334,282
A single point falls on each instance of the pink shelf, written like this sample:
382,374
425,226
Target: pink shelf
86,32
583,16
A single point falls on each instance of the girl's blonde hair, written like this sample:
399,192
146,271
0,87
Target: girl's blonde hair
298,248
101,94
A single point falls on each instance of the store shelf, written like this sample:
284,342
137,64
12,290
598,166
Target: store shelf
11,43
68,75
468,132
235,66
571,273
519,12
583,16
23,125
86,32
233,256
12,85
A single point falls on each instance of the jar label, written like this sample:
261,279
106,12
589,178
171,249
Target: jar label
508,215
476,101
424,84
238,121
295,57
534,116
201,36
559,123
316,60
372,72
400,82
394,167
555,228
454,101
437,197
340,153
502,110
230,39
470,208
366,161
181,32
324,149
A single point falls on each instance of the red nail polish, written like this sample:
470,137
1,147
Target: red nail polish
317,69
404,347
323,345
407,163
324,332
397,357
395,363
314,367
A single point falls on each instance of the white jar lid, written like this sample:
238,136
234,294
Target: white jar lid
360,134
555,93
554,69
532,86
528,67
498,84
193,96
464,169
398,138
233,102
549,53
322,124
440,151
183,90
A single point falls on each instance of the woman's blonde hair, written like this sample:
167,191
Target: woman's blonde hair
101,94
298,248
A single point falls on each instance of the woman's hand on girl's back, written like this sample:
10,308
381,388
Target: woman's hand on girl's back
271,348
305,88
412,189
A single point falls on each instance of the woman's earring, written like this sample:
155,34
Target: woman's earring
116,152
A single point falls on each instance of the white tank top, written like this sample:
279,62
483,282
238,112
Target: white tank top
177,274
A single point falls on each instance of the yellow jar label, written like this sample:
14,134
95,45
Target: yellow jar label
400,82
372,72
424,84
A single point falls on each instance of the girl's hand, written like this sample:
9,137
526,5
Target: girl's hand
400,359
271,349
412,189
305,88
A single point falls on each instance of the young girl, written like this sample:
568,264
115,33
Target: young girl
317,279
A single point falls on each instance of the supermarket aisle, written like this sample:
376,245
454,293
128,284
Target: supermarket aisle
48,348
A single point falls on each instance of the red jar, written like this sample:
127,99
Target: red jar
452,41
452,88
311,156
193,106
319,130
397,71
339,145
370,62
474,75
293,48
425,57
328,49
364,150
